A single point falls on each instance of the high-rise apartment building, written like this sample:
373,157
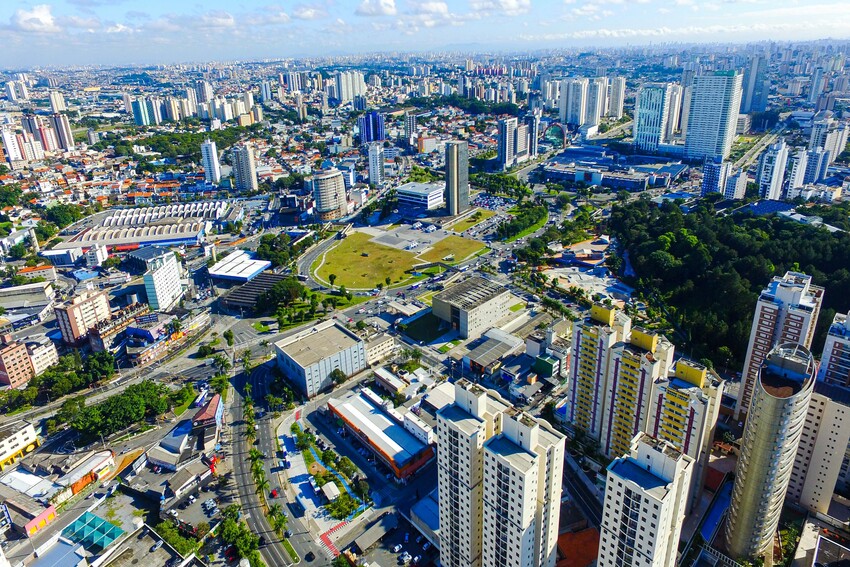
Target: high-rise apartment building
651,113
822,450
573,101
57,102
817,164
209,159
507,142
593,342
62,127
636,363
457,177
409,127
835,361
713,115
714,176
376,164
140,112
780,400
162,283
799,162
328,189
736,185
499,478
756,86
244,167
786,312
15,366
597,101
203,91
81,313
371,126
646,495
532,121
683,411
817,84
616,97
771,173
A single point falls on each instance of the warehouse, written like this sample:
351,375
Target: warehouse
238,266
245,297
309,357
425,196
383,431
472,306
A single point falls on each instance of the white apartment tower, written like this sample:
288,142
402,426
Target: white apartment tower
573,101
499,474
616,96
822,450
376,164
507,142
646,495
209,159
799,163
57,102
651,113
786,312
713,115
597,101
771,174
162,283
244,167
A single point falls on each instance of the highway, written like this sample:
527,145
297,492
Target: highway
753,153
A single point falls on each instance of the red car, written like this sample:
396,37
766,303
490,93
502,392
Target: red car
274,493
230,554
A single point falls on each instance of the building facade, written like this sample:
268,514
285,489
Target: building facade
328,188
81,313
457,177
162,283
775,422
472,306
786,312
646,495
835,361
771,173
244,167
715,99
683,411
209,160
651,113
499,479
15,366
309,358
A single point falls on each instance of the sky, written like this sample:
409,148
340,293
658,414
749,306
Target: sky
84,32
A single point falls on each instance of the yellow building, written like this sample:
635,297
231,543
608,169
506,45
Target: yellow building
593,340
635,366
16,440
683,410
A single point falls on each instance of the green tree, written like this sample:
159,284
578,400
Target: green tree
338,376
228,336
332,279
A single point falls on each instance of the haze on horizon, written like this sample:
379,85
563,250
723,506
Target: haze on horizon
82,32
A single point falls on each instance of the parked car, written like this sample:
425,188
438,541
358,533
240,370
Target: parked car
156,546
397,548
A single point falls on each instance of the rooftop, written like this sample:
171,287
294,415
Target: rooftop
461,419
471,293
392,439
517,457
628,469
238,265
316,344
423,189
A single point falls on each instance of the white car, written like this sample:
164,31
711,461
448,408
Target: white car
397,548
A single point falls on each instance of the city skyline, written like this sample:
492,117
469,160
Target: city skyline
90,32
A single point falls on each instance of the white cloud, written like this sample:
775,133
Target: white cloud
268,16
79,22
304,12
37,20
119,28
440,8
376,8
506,7
218,19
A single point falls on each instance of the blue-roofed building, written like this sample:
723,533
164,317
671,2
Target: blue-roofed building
765,207
646,496
64,553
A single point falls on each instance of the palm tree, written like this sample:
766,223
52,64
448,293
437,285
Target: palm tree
262,486
254,455
250,435
274,510
264,344
222,363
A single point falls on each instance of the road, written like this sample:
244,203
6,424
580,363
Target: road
753,153
586,501
273,552
301,539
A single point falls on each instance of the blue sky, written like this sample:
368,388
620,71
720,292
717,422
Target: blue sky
80,32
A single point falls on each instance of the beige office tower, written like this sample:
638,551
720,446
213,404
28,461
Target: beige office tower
786,312
499,474
780,400
646,494
683,411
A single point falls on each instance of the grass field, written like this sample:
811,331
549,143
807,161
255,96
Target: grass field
260,327
517,307
480,216
461,247
356,271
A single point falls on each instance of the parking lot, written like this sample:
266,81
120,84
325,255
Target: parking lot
392,548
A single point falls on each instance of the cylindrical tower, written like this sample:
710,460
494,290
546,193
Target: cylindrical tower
329,194
775,421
